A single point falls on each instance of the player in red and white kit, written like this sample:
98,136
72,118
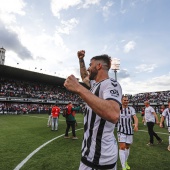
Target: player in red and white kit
55,115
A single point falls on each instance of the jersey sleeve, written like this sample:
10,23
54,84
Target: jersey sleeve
164,113
133,112
152,109
112,91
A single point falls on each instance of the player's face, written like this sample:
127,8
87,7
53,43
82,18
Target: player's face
146,104
92,70
162,107
125,101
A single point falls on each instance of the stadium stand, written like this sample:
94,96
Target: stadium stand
23,91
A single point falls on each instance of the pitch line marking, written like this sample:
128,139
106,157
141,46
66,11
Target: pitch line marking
82,122
19,166
155,132
46,118
36,150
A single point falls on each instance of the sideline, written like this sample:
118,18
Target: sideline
155,132
47,118
36,117
36,150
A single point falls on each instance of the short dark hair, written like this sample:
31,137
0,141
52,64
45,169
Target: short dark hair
124,96
105,58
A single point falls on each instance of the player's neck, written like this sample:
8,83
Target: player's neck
103,75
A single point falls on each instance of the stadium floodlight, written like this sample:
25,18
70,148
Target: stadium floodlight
115,64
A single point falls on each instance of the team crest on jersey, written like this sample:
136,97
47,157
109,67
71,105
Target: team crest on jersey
114,93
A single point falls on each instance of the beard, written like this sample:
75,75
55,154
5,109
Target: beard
93,74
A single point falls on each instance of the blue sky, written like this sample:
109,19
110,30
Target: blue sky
46,35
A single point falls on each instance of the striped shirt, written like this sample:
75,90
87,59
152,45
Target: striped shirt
166,114
99,147
125,121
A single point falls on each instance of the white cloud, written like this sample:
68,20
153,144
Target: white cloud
145,68
104,48
122,10
105,9
8,8
151,85
122,41
67,26
59,41
161,81
90,2
11,58
129,46
58,5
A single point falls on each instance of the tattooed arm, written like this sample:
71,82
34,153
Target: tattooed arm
83,71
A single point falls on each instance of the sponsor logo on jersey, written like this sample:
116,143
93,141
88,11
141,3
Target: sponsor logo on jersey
114,93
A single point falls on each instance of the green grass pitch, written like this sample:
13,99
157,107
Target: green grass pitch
27,138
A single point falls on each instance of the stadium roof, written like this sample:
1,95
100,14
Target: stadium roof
16,73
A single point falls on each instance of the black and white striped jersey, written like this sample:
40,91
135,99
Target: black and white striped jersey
99,147
166,114
125,121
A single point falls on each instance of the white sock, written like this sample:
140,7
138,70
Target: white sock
169,140
122,157
127,151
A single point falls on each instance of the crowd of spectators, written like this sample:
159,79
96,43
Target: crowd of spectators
152,97
22,108
26,108
23,89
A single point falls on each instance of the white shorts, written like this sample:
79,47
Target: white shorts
125,138
85,167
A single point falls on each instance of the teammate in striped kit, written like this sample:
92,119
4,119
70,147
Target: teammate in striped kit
125,131
166,115
103,101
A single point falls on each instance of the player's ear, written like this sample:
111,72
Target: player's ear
99,66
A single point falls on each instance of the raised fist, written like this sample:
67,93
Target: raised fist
81,54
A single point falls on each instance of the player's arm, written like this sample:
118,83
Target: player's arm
143,120
76,108
162,119
83,71
107,109
156,117
135,122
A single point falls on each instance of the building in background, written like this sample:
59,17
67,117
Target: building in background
2,56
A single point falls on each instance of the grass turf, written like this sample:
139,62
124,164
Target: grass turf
20,135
